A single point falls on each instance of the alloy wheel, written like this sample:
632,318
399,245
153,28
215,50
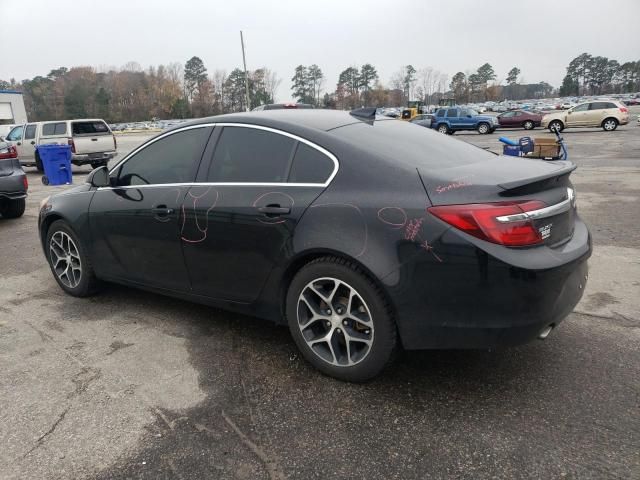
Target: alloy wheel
65,259
335,322
442,129
609,125
483,129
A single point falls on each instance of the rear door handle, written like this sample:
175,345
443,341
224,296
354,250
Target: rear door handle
161,211
94,139
274,210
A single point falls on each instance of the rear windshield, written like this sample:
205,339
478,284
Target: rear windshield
404,143
96,127
58,128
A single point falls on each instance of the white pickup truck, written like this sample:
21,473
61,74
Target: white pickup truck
91,140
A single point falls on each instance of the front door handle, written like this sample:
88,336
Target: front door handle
274,210
161,211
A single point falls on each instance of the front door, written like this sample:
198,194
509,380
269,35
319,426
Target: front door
27,151
238,224
135,224
578,116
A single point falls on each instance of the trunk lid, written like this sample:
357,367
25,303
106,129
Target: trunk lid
508,179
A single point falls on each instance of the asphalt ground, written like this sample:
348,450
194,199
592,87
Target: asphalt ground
129,384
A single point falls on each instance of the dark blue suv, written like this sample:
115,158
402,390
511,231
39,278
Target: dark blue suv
453,119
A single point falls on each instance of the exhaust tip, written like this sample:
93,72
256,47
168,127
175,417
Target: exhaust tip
545,333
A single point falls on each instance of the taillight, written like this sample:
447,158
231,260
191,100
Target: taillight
624,109
481,221
73,145
25,182
11,152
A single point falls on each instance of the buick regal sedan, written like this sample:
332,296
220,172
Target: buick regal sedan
363,234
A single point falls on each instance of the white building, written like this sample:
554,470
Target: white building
12,107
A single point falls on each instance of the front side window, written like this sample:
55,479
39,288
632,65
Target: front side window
15,134
30,132
250,155
310,165
581,108
58,128
172,159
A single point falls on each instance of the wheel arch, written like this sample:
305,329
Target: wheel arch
308,256
609,118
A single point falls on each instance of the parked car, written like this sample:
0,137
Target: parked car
519,119
424,120
372,233
13,183
450,120
606,114
92,141
4,130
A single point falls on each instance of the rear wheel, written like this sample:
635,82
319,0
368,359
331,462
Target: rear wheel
528,125
483,128
609,124
12,208
442,128
556,126
69,262
340,320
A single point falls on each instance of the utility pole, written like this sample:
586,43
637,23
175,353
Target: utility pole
246,77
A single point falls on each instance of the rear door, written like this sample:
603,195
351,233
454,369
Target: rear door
92,136
135,224
237,223
598,111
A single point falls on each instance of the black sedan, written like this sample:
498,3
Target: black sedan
362,233
13,183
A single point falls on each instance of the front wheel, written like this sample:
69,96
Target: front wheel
69,262
340,320
556,126
610,124
528,125
483,128
12,208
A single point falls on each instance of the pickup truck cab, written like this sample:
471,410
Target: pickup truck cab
454,119
91,140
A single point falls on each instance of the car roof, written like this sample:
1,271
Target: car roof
323,120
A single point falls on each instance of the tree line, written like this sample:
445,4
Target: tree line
132,93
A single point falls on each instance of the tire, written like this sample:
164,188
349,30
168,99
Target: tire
483,128
80,281
12,208
443,128
39,163
361,361
556,125
609,124
528,125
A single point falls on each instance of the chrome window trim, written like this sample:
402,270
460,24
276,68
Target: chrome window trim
561,207
336,164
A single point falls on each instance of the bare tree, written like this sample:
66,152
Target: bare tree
271,82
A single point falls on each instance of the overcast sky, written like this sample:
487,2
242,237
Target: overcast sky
540,37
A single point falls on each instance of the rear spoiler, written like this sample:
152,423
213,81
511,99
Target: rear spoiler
565,167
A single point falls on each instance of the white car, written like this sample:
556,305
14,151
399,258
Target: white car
91,141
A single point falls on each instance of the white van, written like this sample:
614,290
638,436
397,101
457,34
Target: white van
91,140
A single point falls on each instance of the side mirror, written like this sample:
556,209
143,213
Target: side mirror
99,177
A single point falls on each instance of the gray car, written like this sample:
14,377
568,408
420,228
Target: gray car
13,183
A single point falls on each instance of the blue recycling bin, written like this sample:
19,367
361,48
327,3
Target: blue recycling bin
56,161
511,150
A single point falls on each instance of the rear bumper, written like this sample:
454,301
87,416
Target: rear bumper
471,299
12,186
83,159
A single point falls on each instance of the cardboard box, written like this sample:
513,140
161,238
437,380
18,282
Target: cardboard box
545,147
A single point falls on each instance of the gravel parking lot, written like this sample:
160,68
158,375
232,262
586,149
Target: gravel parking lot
129,384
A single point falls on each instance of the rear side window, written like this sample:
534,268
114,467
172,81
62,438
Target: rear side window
172,159
90,128
452,112
598,105
59,128
310,165
250,155
30,132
